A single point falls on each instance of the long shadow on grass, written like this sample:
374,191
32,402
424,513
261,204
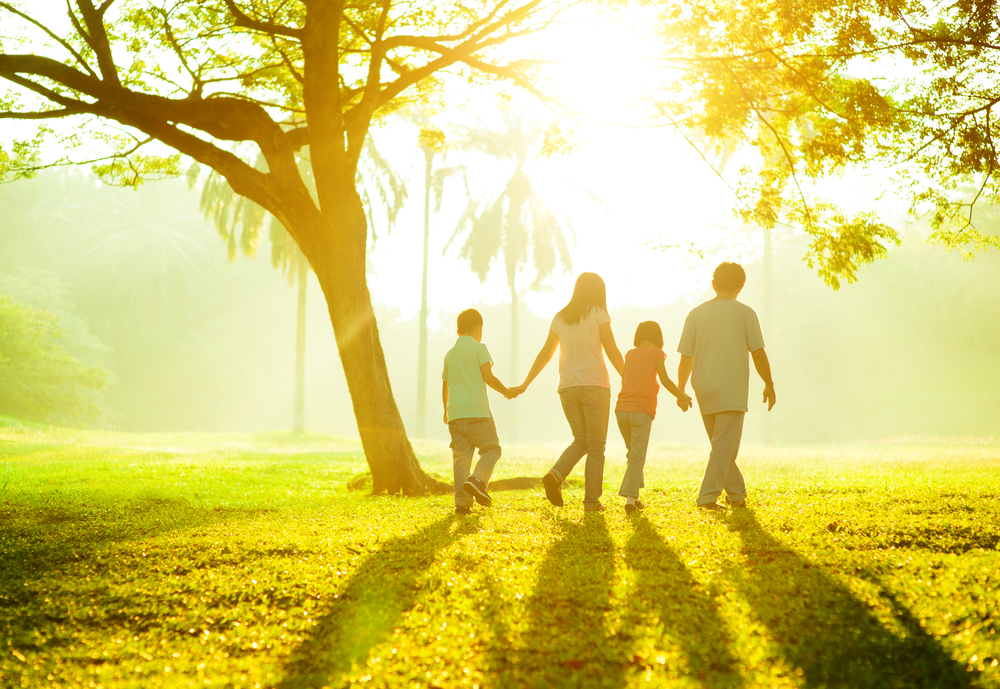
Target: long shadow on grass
567,642
687,614
823,629
384,587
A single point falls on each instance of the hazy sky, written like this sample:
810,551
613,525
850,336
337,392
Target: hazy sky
656,188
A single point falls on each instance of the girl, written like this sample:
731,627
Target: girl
582,331
636,405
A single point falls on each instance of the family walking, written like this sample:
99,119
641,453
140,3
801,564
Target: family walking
714,343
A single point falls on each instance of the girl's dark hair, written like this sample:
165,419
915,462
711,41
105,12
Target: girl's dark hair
648,330
588,293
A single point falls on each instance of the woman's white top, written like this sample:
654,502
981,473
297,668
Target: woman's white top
581,356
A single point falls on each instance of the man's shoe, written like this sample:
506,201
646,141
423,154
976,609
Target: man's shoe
553,490
736,503
598,507
476,489
463,510
712,507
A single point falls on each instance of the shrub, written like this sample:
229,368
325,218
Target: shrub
39,381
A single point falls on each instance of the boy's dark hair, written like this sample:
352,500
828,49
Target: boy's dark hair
648,330
729,277
469,320
588,292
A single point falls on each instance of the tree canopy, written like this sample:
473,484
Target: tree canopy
822,87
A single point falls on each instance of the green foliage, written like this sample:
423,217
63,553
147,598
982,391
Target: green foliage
245,560
557,139
45,292
38,380
821,88
839,247
433,139
128,167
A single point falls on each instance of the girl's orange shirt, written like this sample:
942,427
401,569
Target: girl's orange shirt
639,384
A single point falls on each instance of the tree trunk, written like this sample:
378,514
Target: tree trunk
768,272
422,346
299,407
340,268
512,420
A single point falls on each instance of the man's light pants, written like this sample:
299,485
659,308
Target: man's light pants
725,430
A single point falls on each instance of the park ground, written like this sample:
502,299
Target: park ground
246,561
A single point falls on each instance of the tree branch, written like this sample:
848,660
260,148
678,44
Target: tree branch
97,39
781,143
42,115
297,138
264,27
401,41
72,51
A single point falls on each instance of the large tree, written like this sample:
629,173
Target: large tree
221,81
826,87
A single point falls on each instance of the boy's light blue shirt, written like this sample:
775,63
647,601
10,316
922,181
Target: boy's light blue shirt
467,397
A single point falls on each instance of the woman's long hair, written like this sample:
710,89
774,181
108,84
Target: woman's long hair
588,293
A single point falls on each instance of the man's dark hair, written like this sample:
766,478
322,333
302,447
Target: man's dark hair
648,330
729,277
469,320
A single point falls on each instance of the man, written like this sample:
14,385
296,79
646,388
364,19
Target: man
714,343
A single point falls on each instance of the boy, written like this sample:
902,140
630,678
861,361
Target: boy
467,371
714,343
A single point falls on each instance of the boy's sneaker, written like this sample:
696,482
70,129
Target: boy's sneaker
712,507
463,510
553,491
736,503
476,489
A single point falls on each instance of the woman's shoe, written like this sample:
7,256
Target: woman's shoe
553,489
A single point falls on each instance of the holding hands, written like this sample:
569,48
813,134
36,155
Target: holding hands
684,401
513,392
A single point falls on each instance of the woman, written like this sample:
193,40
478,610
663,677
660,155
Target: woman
582,331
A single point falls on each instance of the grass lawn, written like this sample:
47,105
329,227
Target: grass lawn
191,560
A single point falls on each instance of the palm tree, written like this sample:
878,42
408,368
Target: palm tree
432,143
239,222
46,223
515,222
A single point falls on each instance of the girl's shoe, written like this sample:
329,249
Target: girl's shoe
632,508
